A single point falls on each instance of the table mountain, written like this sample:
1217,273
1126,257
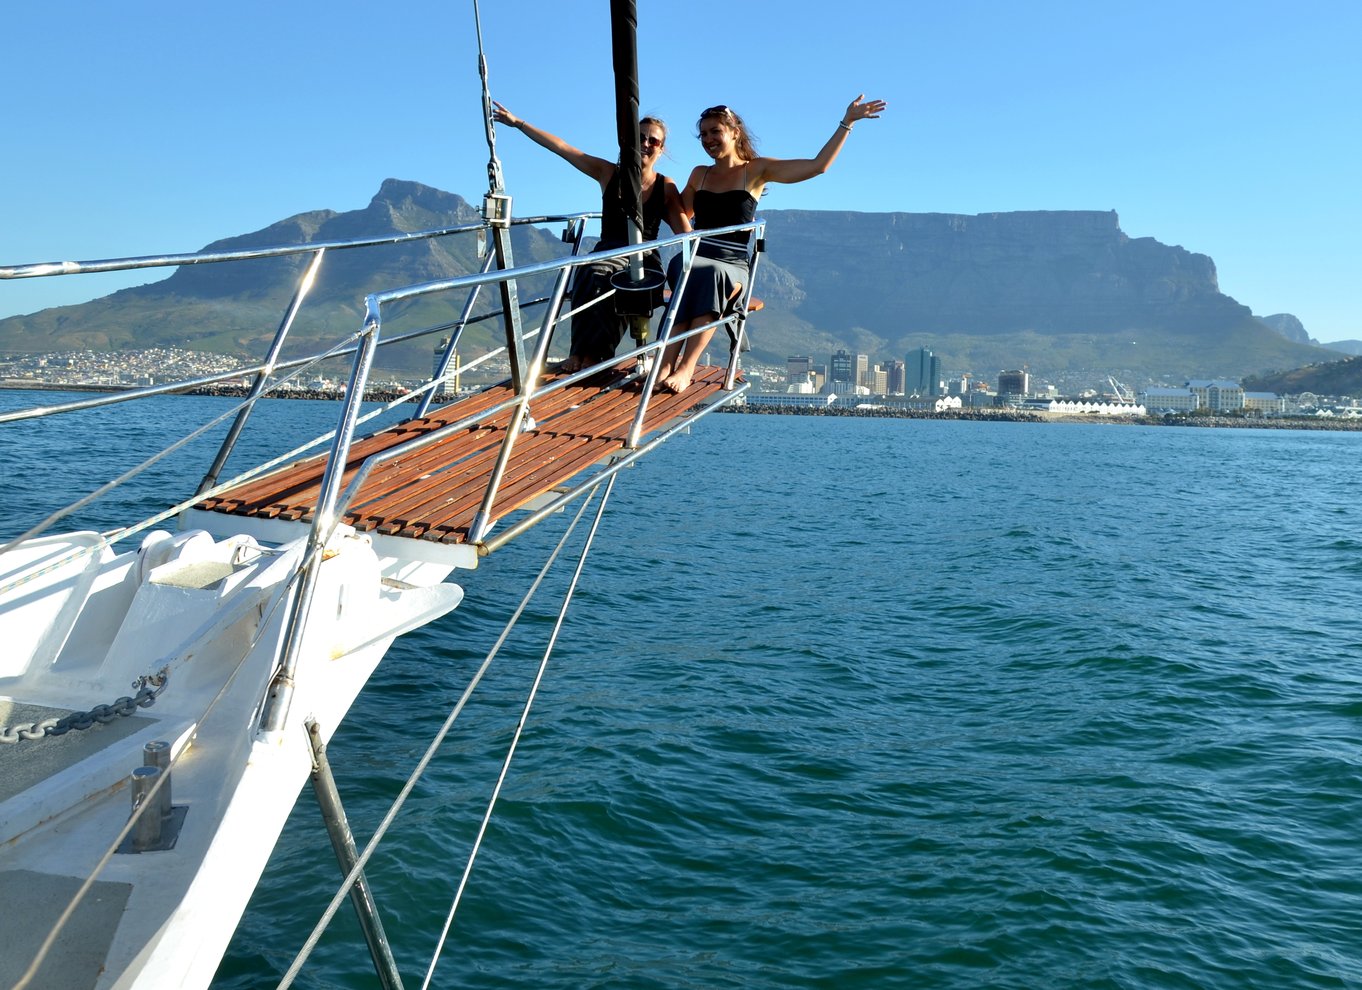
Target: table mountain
1056,290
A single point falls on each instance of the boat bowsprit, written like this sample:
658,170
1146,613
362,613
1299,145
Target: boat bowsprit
169,684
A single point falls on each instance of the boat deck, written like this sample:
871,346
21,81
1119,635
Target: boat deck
434,492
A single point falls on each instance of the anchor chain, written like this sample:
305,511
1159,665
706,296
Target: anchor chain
149,688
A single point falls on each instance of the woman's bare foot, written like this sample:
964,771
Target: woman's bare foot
571,364
678,381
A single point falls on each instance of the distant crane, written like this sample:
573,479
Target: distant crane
1123,392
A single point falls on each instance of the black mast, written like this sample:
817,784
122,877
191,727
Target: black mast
624,46
637,292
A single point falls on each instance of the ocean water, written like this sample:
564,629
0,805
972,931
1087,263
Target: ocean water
864,703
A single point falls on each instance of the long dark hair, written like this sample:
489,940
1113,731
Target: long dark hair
746,141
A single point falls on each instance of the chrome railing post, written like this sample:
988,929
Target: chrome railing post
740,320
445,358
323,523
520,415
304,286
343,845
688,250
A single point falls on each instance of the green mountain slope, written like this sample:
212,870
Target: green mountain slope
1053,290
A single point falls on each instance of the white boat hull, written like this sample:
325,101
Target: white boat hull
212,613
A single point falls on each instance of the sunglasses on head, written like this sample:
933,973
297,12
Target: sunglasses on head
720,111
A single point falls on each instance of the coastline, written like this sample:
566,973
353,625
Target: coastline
970,415
1016,416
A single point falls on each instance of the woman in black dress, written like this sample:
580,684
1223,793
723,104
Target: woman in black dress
721,195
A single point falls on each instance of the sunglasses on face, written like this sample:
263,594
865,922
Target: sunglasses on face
649,142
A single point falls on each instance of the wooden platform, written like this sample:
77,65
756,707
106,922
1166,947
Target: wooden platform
433,493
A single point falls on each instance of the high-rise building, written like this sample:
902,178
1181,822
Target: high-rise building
441,389
922,373
863,369
894,375
842,372
1016,383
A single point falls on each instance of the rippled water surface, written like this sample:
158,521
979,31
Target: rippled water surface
860,703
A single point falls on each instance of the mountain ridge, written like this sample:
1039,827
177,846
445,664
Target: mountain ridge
1058,290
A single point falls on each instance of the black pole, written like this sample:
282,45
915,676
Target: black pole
624,46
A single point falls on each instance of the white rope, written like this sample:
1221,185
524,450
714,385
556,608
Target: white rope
311,943
519,729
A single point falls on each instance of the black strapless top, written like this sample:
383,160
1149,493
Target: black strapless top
723,209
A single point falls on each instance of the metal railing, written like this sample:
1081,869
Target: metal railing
362,345
272,373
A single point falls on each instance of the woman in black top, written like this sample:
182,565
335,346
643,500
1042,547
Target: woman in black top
597,331
721,195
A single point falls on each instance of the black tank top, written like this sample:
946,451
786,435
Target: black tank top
723,209
614,226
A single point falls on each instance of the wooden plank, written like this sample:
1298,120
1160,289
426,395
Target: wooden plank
433,493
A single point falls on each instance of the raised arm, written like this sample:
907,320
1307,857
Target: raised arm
799,169
598,168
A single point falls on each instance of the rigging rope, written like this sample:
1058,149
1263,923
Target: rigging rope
519,729
419,770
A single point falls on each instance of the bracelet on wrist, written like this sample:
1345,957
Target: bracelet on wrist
844,125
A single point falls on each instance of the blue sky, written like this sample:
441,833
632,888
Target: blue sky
1229,128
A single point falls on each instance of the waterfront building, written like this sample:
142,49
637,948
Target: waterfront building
441,389
788,400
842,372
1219,395
1268,403
1216,396
922,373
1014,384
1161,399
1085,407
